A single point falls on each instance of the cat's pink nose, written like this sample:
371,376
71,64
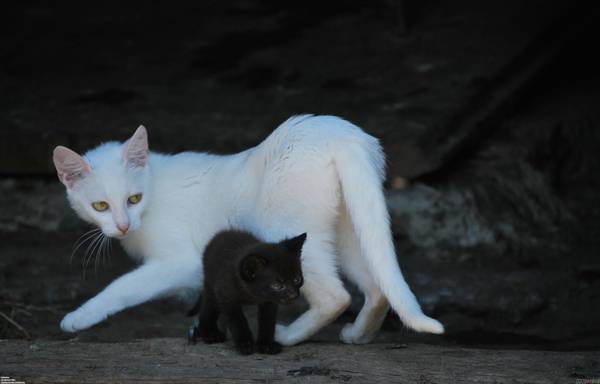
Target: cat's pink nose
123,228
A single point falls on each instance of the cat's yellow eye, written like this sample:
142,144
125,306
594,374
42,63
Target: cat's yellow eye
134,199
100,206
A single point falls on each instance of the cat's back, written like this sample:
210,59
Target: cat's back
308,137
313,129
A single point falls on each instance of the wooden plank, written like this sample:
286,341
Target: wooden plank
171,360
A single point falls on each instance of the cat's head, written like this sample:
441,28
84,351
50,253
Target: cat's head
109,185
273,272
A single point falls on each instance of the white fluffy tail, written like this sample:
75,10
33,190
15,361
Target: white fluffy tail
360,163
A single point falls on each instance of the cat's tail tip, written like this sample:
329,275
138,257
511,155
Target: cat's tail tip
427,325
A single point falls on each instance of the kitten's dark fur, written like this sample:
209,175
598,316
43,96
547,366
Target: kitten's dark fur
239,269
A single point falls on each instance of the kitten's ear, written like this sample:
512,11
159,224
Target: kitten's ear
70,167
295,244
135,150
251,264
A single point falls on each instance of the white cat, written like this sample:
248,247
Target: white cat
315,174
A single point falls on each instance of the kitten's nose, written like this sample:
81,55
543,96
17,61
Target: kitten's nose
123,228
292,295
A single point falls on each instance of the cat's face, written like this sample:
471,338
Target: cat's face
273,272
109,185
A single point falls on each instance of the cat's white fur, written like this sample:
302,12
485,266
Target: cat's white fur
315,174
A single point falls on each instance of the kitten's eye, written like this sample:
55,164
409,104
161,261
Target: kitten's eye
276,286
100,206
134,199
297,280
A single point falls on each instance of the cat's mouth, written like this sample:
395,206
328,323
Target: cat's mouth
119,235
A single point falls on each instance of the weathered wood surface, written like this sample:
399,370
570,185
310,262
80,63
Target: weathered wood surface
171,360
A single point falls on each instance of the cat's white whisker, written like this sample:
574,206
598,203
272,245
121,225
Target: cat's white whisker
93,239
82,240
94,254
85,236
89,252
108,254
101,251
86,240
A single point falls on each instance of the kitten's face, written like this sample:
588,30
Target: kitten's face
276,272
277,284
109,186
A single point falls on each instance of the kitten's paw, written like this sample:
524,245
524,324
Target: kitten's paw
350,335
192,334
271,348
81,319
245,347
212,337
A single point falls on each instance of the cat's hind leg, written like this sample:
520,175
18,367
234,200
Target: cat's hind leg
354,266
323,290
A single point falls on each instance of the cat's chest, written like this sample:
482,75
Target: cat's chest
143,245
134,247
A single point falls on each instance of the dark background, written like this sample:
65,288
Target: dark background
488,112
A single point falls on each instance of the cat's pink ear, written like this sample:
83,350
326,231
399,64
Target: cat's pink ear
70,167
135,152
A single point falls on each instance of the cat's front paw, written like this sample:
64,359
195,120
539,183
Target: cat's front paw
245,347
285,336
81,319
271,348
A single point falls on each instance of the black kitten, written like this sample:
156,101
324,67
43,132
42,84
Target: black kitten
239,269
